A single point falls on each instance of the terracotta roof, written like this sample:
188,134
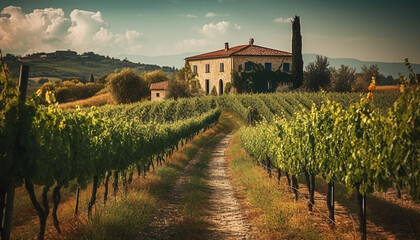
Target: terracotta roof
241,50
159,85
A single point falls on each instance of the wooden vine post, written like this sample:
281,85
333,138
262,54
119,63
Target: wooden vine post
10,194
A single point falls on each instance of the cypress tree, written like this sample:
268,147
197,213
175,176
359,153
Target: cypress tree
91,78
297,61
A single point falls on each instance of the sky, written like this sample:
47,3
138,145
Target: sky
386,31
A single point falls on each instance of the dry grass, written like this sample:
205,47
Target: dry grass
270,207
98,100
388,88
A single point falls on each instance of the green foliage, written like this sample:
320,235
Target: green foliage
81,66
42,81
213,91
71,90
258,79
177,89
127,86
297,59
189,78
228,87
342,79
154,77
365,77
317,75
357,146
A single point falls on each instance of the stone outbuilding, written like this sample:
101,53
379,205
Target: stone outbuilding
215,69
158,90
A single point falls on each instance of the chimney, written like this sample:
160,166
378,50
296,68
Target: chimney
226,46
251,41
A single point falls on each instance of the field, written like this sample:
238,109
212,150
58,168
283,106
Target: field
157,160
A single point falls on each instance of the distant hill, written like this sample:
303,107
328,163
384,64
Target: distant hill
385,68
176,61
69,64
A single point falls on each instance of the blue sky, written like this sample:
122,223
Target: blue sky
367,30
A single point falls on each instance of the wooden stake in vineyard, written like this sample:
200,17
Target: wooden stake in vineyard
6,221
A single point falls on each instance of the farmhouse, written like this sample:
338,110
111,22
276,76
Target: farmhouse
215,69
158,90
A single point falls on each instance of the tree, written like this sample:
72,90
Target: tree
177,89
186,75
102,79
297,60
342,78
92,80
127,86
365,77
154,77
317,74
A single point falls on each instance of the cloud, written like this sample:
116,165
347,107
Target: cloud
49,29
188,15
211,14
283,20
214,30
193,43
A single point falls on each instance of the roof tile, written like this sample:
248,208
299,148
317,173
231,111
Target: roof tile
241,50
159,85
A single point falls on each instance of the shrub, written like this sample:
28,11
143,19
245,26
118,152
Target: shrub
177,89
127,86
213,91
69,91
228,87
42,81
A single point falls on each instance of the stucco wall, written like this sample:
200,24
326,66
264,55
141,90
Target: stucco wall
214,75
161,95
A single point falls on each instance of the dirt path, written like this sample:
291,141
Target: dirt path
163,224
224,212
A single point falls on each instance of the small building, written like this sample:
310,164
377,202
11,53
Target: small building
215,69
158,90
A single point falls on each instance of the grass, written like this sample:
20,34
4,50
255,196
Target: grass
98,100
270,207
194,202
400,219
196,197
388,88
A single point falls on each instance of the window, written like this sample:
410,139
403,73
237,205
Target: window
248,66
245,84
207,68
195,68
240,67
157,94
286,67
268,67
222,67
207,86
220,87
